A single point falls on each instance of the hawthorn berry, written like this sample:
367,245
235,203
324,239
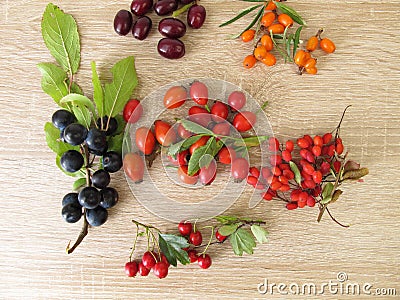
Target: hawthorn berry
131,268
204,261
195,238
220,237
192,255
142,270
185,228
160,269
149,260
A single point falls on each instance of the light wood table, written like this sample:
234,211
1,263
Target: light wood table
364,72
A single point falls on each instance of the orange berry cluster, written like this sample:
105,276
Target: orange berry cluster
303,58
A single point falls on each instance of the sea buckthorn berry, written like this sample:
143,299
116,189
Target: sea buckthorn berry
291,205
286,155
260,52
302,143
254,171
273,144
312,70
269,59
270,6
268,19
267,196
318,141
275,159
249,61
327,45
285,20
317,176
276,28
309,169
248,35
289,146
252,180
288,174
316,150
336,166
339,148
300,58
312,43
310,63
327,137
310,201
266,41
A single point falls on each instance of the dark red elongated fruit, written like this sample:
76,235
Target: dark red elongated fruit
141,7
123,22
196,16
142,28
134,167
171,48
165,7
172,28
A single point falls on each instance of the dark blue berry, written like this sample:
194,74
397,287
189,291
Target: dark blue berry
109,197
97,216
101,179
70,198
112,161
71,213
89,197
71,161
112,125
62,118
96,139
75,134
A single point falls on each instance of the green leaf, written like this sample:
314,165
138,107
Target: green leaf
119,91
196,128
171,245
115,143
327,193
252,141
208,148
226,219
53,81
255,20
77,174
121,124
98,93
75,88
77,99
60,34
82,115
78,184
54,142
296,171
296,40
227,230
241,14
183,145
291,12
259,233
241,240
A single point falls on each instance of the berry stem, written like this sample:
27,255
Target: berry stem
209,241
181,10
134,243
340,122
336,221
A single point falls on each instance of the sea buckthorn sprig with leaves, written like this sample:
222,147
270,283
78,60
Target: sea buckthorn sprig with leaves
276,29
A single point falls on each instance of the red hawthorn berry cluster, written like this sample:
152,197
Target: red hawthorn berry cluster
319,156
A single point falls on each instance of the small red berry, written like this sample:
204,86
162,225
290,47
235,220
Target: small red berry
289,146
267,196
286,155
204,261
316,150
192,255
303,143
291,205
254,171
337,165
327,137
131,268
220,237
160,269
288,174
143,271
273,144
195,238
185,228
325,168
339,148
317,177
148,260
310,201
252,180
275,159
309,169
318,141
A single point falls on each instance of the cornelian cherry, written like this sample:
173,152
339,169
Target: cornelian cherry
239,169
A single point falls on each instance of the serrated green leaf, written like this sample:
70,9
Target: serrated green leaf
296,40
227,230
183,145
82,115
53,81
237,249
98,93
291,12
193,165
118,92
259,233
54,142
196,128
75,88
78,100
171,245
327,193
78,184
226,219
241,240
115,143
77,174
241,14
60,34
296,171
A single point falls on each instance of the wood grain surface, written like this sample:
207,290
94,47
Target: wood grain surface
363,72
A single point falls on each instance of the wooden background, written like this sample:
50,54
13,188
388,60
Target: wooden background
363,72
